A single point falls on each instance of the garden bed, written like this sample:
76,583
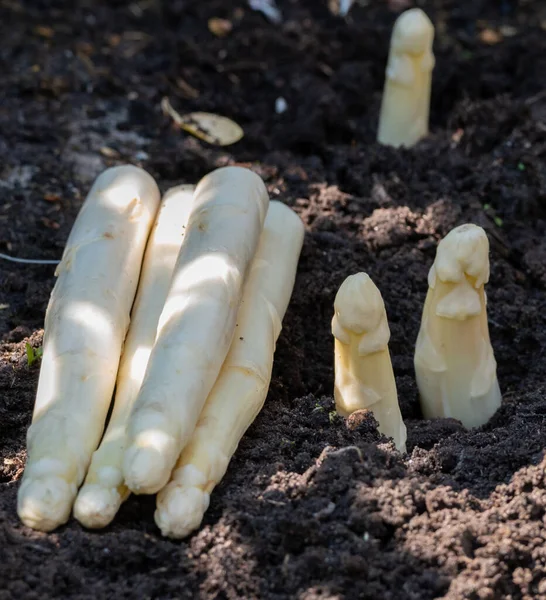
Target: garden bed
311,507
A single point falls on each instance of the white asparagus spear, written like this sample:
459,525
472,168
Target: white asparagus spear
406,98
241,388
85,325
197,324
104,490
364,378
454,361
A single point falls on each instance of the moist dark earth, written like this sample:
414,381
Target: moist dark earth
312,507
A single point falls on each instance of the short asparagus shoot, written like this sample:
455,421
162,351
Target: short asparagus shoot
241,388
197,323
454,361
364,377
405,107
85,325
104,489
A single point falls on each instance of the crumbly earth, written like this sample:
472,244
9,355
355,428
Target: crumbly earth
311,507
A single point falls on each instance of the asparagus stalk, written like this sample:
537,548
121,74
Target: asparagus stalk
405,107
454,361
364,377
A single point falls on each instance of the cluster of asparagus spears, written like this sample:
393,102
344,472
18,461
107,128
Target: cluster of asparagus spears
454,362
191,362
176,304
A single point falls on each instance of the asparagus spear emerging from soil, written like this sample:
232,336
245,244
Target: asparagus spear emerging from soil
197,323
406,97
241,388
454,361
85,325
364,378
104,490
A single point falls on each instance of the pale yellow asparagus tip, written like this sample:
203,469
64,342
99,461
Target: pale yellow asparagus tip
45,502
406,98
454,361
364,378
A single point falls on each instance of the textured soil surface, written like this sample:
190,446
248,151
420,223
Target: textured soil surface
311,507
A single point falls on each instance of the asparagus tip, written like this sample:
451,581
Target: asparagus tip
180,509
96,505
145,469
44,503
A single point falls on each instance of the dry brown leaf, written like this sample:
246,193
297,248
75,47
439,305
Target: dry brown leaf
490,36
44,31
211,128
220,27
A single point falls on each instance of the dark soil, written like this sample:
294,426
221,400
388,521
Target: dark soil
311,507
